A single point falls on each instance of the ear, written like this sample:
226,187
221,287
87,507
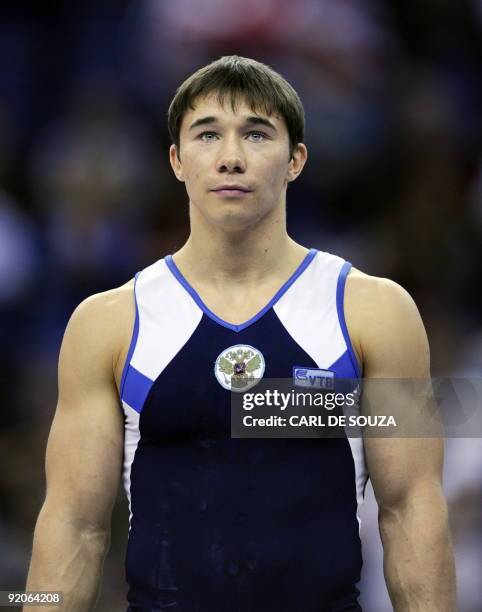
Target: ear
297,162
176,163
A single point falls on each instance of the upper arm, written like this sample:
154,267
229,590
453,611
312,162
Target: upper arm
85,446
391,341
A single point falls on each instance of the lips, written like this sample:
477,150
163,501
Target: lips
232,188
231,191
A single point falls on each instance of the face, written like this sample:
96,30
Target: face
235,164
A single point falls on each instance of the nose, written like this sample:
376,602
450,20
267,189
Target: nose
231,159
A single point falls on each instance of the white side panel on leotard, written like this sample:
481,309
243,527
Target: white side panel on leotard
308,310
131,440
167,318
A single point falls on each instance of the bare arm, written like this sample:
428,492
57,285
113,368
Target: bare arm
406,473
83,460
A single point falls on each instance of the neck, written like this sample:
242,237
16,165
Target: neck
238,255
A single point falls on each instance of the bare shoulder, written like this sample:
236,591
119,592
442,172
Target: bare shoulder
385,325
106,307
101,327
368,296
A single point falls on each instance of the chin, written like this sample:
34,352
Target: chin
239,216
235,220
234,216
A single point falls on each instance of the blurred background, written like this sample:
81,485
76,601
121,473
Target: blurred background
393,98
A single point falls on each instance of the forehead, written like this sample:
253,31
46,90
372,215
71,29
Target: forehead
227,109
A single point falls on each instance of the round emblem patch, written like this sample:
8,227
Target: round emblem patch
239,367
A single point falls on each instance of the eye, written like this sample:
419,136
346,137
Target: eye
207,136
256,136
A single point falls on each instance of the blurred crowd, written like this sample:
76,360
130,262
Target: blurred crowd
393,99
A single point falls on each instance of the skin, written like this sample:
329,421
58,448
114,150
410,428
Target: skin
238,253
237,257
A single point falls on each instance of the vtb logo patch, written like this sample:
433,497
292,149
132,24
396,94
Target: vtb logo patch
313,378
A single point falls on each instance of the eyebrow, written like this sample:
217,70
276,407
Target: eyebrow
254,120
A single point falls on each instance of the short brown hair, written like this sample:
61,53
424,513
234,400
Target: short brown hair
240,78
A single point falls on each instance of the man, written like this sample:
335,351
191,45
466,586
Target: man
222,524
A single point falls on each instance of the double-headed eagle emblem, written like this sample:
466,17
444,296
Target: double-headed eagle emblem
240,367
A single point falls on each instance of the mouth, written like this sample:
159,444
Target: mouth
231,191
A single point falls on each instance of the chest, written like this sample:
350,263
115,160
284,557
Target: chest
180,346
